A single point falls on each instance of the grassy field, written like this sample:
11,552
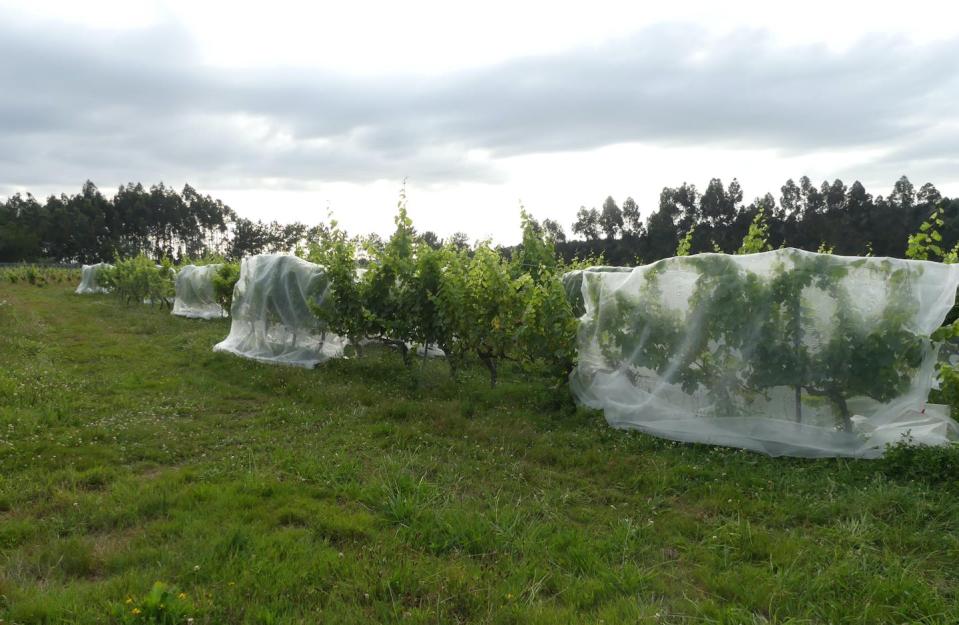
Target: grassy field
130,454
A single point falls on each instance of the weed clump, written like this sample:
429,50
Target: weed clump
922,463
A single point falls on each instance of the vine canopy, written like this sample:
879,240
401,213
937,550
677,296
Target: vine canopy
88,279
194,293
272,320
785,352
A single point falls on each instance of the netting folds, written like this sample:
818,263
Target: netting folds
785,352
194,293
271,316
88,279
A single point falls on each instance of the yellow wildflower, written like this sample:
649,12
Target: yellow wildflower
182,595
135,611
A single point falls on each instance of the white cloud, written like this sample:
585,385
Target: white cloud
282,109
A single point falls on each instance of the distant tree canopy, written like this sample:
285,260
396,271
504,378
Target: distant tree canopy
847,220
89,227
161,222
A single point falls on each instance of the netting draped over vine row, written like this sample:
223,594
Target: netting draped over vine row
88,279
194,293
785,352
271,316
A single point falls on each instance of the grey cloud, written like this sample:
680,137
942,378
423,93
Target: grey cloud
138,105
933,152
744,92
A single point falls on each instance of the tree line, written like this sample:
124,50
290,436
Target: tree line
833,217
157,221
163,223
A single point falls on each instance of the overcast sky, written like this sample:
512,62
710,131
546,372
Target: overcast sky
285,112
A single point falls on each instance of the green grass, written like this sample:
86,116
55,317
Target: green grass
358,493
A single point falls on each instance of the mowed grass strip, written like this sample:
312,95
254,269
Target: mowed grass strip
361,492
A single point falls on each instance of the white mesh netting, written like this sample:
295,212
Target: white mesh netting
88,279
271,316
194,293
785,352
